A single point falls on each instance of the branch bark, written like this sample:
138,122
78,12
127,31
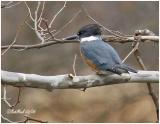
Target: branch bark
68,81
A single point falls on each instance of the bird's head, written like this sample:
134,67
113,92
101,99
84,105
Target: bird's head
86,31
89,30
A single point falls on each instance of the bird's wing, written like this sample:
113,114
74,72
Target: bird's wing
101,54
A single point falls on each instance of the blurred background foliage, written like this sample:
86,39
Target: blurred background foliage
116,103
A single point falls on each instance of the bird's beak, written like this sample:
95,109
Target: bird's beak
73,37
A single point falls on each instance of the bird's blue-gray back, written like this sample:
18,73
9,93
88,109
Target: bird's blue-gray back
101,54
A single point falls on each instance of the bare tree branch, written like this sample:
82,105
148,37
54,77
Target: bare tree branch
50,25
66,81
105,37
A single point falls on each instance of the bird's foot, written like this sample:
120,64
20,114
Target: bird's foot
103,73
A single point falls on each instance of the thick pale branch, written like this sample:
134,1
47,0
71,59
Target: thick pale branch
68,82
105,37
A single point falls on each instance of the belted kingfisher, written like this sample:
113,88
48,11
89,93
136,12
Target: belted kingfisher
98,54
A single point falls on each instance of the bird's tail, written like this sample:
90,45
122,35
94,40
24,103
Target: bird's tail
121,68
127,68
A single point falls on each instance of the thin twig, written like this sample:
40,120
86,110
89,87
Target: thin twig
48,33
3,5
50,25
31,26
62,28
10,2
139,59
132,51
5,97
28,118
48,29
39,45
41,11
29,10
155,99
37,20
74,64
120,33
6,119
110,31
36,23
42,30
15,39
10,5
18,98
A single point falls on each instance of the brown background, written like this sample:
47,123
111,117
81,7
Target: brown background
116,103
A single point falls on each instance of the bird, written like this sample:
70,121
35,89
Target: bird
98,54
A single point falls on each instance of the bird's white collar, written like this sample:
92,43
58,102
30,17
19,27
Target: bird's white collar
90,38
